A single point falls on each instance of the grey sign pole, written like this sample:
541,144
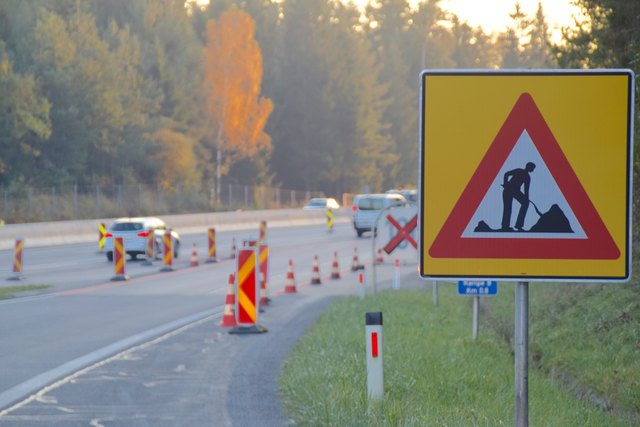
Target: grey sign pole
474,325
435,292
521,354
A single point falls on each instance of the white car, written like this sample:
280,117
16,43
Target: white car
135,232
321,203
366,208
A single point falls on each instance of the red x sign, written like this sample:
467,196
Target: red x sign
403,233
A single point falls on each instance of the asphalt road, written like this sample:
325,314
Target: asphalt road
149,351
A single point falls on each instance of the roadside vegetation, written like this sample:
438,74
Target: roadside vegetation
14,291
584,367
312,95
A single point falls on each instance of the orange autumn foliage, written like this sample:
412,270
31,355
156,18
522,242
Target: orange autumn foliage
233,77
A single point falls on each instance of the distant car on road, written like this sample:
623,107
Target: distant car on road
135,232
321,203
366,208
410,195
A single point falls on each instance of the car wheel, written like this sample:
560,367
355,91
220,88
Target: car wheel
110,256
359,232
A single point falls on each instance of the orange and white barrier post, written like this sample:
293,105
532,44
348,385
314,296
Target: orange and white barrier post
361,289
212,246
290,285
102,235
315,275
194,257
167,243
233,248
229,316
263,231
263,265
119,261
17,260
335,268
150,248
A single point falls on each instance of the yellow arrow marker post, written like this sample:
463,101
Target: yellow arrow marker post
17,260
119,259
247,302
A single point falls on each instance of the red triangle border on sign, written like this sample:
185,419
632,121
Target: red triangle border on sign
598,244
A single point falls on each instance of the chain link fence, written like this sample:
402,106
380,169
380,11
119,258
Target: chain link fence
76,202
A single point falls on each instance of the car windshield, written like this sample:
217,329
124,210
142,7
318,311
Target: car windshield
127,226
317,202
371,204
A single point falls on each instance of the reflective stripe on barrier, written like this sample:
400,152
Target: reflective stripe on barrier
17,260
119,259
168,251
102,235
212,246
246,294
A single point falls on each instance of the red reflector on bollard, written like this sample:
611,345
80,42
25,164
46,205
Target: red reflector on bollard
374,344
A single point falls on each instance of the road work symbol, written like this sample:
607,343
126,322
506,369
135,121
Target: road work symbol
524,166
513,181
404,233
515,187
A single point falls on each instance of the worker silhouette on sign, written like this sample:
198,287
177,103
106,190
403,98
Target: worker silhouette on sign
513,181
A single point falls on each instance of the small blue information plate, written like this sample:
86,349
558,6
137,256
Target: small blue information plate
477,288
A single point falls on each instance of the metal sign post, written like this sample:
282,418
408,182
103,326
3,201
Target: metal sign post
477,288
435,292
474,322
522,354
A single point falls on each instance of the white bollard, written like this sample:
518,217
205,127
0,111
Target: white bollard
361,289
375,375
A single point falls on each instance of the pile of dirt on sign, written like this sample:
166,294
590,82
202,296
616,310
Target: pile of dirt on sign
552,221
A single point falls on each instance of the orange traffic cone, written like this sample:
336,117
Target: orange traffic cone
229,316
355,264
335,269
315,276
194,257
290,285
233,248
379,259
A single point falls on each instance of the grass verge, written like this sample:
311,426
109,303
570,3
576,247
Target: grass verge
435,374
12,291
586,336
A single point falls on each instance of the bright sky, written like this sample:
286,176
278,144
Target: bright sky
493,15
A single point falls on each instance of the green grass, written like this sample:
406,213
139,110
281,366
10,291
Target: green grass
435,374
586,336
11,291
